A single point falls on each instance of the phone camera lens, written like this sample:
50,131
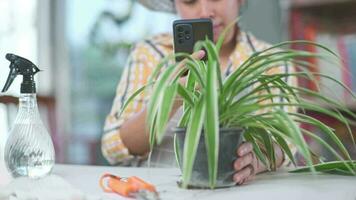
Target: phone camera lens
180,29
180,35
180,41
187,32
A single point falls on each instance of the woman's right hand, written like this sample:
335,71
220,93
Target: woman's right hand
133,131
196,55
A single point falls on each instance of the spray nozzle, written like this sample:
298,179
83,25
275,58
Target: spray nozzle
24,67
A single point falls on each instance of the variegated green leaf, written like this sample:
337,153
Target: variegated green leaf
212,123
192,137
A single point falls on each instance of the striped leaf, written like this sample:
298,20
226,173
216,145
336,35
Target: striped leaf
212,123
192,137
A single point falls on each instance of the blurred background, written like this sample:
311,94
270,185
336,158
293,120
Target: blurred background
82,46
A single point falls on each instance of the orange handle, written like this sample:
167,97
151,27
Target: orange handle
141,184
115,184
122,187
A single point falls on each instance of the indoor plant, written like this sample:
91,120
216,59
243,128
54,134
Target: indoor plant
210,104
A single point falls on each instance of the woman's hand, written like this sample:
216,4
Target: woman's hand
247,165
196,55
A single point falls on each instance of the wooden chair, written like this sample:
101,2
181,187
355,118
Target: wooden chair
10,104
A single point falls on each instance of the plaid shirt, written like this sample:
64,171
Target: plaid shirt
142,61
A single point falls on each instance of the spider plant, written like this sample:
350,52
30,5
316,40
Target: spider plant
212,102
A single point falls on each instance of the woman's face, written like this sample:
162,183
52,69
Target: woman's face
221,12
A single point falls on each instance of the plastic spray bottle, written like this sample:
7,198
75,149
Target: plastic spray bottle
29,149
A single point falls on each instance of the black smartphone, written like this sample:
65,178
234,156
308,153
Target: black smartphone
187,32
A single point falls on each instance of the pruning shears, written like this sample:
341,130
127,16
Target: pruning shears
133,187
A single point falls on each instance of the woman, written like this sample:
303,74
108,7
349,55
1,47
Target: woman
125,139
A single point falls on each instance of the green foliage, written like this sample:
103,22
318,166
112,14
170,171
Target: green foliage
335,167
266,107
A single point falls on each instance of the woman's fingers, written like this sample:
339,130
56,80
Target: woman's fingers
199,54
196,55
244,149
243,161
243,174
183,80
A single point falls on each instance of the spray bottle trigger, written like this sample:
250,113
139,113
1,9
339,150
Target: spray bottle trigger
12,75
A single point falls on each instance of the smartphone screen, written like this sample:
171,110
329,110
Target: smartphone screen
188,31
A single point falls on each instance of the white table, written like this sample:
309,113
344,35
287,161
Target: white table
278,185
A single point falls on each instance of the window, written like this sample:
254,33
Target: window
25,31
100,34
19,35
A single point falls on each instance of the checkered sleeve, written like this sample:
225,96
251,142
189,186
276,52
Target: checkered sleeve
141,63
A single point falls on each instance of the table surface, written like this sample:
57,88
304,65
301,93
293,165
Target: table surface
274,185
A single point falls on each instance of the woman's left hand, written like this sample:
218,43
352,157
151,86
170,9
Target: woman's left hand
246,165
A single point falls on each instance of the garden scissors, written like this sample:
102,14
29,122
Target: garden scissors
133,187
